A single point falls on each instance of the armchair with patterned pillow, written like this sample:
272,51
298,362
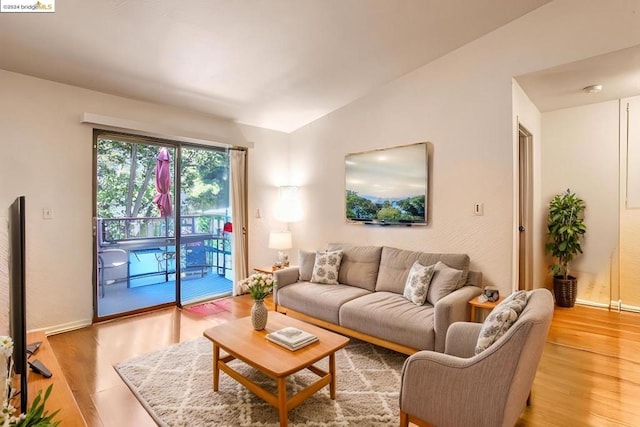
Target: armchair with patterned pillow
485,375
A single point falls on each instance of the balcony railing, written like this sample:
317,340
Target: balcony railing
116,230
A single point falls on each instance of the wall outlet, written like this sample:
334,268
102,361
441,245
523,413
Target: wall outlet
478,209
47,213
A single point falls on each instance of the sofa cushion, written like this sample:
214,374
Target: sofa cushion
359,266
326,267
417,285
501,318
445,280
306,261
404,323
395,264
318,300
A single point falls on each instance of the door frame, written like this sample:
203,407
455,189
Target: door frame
524,228
177,214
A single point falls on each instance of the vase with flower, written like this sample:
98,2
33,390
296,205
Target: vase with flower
259,285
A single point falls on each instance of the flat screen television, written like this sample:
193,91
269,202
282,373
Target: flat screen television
387,186
17,294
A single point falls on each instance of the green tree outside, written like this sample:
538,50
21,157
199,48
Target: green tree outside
126,183
361,208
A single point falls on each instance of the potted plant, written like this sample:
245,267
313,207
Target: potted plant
565,230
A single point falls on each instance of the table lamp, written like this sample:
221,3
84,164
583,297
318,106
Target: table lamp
281,240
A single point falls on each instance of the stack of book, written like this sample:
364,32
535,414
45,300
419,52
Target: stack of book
291,338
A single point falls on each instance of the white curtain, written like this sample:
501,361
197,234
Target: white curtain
238,159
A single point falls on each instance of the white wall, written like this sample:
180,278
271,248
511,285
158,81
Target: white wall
268,165
466,164
48,157
462,104
580,152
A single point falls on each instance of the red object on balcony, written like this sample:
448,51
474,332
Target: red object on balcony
228,227
163,183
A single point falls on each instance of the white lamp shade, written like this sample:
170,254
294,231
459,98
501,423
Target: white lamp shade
280,240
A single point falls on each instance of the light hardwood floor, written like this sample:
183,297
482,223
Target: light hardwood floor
589,374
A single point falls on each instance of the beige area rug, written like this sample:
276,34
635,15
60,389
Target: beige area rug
175,386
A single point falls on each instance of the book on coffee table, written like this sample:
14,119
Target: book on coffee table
291,338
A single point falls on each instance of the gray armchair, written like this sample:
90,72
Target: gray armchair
459,388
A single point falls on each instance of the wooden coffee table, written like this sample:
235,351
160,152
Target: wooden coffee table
241,341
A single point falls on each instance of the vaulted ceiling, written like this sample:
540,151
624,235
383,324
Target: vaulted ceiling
277,64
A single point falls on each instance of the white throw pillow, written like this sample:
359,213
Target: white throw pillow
501,318
417,284
326,267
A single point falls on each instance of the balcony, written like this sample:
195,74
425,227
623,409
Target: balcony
138,261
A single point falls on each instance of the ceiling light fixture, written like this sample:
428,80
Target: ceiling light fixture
592,89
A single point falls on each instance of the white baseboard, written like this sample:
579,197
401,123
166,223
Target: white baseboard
66,327
591,303
627,307
613,305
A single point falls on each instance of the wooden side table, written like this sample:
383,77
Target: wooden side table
265,270
477,303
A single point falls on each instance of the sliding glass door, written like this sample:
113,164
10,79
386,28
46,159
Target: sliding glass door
205,224
142,259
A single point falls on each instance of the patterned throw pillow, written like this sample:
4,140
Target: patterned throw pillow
501,318
517,301
417,284
326,267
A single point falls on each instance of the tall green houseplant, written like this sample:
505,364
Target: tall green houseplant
565,230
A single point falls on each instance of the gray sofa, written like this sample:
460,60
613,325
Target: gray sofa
368,302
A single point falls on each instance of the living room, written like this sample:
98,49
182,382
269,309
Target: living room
465,103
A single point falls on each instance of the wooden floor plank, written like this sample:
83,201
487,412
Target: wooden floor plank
590,370
589,373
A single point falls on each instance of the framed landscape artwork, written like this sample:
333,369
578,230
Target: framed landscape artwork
387,186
